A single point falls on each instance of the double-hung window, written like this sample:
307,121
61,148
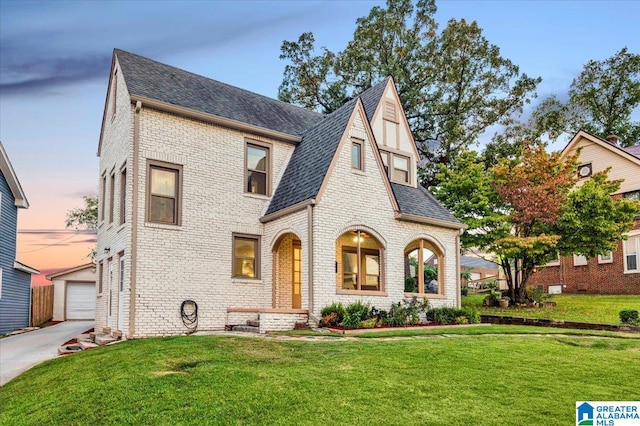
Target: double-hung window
357,154
246,256
257,162
632,254
164,193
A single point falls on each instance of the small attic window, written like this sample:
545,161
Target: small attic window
390,112
584,171
114,94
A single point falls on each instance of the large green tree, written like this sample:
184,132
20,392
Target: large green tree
453,84
601,100
529,209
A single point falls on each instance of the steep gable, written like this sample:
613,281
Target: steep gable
9,174
600,154
311,159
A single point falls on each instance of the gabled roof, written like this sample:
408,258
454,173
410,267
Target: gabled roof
12,180
419,203
477,262
57,274
633,150
148,79
25,268
623,152
311,159
371,98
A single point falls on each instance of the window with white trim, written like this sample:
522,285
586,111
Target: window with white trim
579,260
605,258
632,254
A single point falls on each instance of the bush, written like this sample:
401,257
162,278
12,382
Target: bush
537,293
629,316
453,316
334,308
356,312
397,316
464,291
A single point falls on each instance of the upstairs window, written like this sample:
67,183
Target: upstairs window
112,190
584,171
257,169
579,260
400,169
356,154
632,195
396,166
123,196
103,197
164,186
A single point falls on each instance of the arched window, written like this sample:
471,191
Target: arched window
359,262
423,268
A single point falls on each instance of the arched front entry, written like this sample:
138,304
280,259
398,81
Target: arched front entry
287,272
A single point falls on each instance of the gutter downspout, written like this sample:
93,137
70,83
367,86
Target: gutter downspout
458,280
134,220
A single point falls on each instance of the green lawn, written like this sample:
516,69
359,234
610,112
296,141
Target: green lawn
446,379
570,307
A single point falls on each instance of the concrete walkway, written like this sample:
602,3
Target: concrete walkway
21,352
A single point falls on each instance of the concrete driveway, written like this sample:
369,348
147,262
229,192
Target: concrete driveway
21,352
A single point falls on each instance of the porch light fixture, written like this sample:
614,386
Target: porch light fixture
107,250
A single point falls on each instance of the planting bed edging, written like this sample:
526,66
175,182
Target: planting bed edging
380,329
538,322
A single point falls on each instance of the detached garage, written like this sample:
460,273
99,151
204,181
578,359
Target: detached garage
74,293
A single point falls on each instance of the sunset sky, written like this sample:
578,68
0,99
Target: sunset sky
55,59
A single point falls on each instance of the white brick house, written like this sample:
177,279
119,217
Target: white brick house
252,207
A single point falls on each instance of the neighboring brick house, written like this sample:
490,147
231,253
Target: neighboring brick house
252,207
15,277
619,271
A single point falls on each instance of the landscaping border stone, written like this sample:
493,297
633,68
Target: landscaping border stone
538,322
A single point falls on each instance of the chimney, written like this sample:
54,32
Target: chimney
613,140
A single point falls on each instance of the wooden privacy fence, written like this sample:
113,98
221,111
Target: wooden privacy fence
41,304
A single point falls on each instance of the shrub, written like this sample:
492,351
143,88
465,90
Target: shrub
453,316
379,314
464,291
335,308
356,312
331,319
397,315
537,293
629,316
370,323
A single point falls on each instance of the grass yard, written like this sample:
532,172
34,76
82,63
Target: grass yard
601,309
446,379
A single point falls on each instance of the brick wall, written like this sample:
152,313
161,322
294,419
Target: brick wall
593,278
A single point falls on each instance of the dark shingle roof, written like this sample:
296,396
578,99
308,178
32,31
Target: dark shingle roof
153,80
477,262
311,159
371,98
419,202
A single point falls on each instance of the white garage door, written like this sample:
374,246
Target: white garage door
81,300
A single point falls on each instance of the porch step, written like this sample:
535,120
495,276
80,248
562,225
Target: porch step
69,349
104,339
246,328
86,344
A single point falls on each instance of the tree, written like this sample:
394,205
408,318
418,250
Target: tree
85,218
527,210
453,85
601,100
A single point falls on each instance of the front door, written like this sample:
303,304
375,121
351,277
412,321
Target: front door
121,293
296,280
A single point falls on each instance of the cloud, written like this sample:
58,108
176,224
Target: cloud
36,74
64,44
